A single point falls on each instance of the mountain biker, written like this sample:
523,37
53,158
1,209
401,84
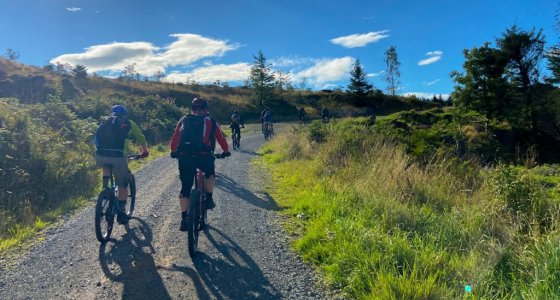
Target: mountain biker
236,122
262,118
325,114
302,115
189,158
110,144
268,120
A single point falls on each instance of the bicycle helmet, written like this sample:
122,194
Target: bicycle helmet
119,110
199,103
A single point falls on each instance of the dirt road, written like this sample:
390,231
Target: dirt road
243,255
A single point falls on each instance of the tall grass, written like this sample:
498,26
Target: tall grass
381,226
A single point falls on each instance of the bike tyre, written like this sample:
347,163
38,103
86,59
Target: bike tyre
192,224
131,203
103,208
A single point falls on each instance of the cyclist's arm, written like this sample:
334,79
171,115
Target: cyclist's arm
174,143
219,135
136,133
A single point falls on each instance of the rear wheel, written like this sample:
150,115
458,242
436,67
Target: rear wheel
104,216
192,223
129,209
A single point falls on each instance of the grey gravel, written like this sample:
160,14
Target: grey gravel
244,254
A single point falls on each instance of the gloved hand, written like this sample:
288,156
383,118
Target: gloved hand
144,154
174,154
226,154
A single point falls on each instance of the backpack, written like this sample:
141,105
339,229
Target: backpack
192,133
112,132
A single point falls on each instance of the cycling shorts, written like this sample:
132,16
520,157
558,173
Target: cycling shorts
120,168
187,171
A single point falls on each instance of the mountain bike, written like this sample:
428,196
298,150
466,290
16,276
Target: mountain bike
236,136
106,208
197,219
268,131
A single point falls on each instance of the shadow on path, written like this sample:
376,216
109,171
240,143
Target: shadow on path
234,275
228,185
130,262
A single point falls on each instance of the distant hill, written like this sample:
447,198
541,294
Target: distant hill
32,84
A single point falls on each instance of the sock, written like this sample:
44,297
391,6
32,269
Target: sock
208,195
184,214
106,181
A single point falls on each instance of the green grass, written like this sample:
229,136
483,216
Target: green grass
381,226
20,234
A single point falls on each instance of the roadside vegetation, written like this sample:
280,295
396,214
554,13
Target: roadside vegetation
380,223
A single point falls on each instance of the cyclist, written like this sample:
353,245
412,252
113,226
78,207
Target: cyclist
236,124
263,112
325,114
183,146
302,115
110,144
268,119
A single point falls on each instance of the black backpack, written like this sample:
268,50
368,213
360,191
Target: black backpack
192,133
112,133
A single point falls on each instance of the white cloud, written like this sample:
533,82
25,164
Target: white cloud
434,56
148,58
426,95
375,74
360,40
73,9
432,82
326,71
209,74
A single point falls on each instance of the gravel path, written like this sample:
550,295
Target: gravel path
243,255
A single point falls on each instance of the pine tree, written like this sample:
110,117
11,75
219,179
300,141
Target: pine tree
359,86
261,79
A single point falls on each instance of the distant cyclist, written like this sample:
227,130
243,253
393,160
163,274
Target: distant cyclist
302,115
110,143
268,120
263,112
193,143
325,114
236,124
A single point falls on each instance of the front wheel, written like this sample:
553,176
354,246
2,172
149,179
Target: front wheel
130,204
104,216
192,223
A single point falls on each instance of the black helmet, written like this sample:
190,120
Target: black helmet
199,103
235,112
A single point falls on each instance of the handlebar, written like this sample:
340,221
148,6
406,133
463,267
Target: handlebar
219,156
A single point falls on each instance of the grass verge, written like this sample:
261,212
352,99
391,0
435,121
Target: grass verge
379,225
19,234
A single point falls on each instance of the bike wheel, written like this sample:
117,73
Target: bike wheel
192,223
104,216
130,204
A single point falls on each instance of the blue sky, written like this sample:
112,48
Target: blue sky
312,41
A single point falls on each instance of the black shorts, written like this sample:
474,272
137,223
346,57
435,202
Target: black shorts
187,171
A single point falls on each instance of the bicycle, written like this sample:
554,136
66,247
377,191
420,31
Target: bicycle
197,219
106,206
268,131
236,137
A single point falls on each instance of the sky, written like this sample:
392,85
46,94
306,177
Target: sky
315,42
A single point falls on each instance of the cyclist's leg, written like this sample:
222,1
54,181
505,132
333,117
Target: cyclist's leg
207,164
187,171
102,162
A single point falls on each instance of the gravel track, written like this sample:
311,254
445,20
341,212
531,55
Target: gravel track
243,255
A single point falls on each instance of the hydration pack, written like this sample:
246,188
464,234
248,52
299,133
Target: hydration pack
192,133
112,133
